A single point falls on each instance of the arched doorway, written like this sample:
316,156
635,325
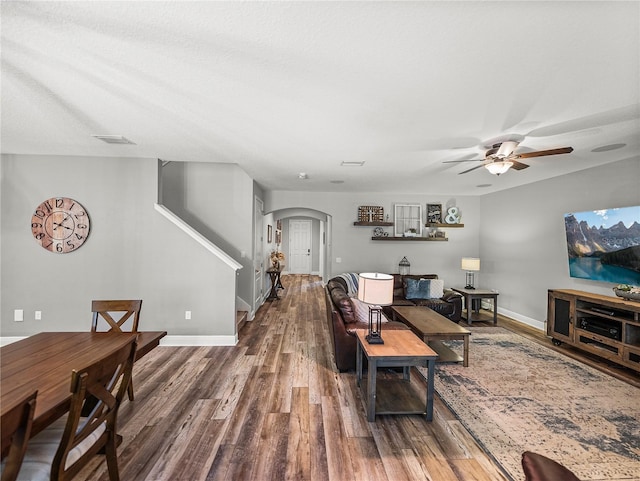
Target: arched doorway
320,236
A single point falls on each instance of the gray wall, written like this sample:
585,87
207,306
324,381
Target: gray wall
518,234
358,253
523,250
216,200
132,252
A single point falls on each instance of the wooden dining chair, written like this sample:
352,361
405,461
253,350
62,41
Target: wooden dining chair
64,448
115,316
16,428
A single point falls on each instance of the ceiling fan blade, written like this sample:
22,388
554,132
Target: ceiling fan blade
542,153
466,160
472,168
518,165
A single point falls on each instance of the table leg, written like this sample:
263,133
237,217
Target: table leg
371,391
495,310
465,358
358,363
431,364
406,373
469,302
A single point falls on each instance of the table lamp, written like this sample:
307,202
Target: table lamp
376,290
470,264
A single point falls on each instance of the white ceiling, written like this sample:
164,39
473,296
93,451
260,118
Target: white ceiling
286,87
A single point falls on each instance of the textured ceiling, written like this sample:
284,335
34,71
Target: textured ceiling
286,87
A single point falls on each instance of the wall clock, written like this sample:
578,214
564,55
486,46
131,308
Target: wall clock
60,225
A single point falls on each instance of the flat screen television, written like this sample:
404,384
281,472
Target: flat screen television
604,245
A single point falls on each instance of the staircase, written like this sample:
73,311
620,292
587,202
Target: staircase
241,319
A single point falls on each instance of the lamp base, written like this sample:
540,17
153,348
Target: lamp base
374,338
469,287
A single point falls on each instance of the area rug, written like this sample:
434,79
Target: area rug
517,395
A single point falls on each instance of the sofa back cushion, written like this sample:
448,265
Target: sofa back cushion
337,283
343,302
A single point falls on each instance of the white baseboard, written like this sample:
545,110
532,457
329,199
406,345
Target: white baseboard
174,341
523,319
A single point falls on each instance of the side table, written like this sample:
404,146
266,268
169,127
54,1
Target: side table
274,276
404,349
473,296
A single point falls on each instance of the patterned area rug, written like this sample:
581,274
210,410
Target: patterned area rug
517,395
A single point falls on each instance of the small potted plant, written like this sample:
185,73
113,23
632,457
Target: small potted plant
411,232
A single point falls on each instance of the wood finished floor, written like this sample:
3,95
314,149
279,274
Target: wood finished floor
275,408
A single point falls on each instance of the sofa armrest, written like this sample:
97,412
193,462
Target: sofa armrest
450,295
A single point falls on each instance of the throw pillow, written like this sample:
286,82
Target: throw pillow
417,288
361,311
436,288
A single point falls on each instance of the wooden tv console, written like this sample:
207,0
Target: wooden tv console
603,325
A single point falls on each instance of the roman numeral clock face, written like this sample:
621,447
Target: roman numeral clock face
60,225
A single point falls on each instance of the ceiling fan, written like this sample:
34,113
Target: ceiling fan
502,157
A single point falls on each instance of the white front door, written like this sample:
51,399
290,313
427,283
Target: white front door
258,260
299,247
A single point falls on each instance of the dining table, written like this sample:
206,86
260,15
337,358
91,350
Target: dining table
43,362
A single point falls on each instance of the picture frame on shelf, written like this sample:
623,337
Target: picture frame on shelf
370,213
269,234
407,220
434,213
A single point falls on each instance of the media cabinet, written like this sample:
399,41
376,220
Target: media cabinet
603,325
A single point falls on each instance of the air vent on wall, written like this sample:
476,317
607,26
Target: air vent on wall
114,139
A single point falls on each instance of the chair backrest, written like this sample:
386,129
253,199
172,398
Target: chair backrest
123,310
16,428
96,394
537,467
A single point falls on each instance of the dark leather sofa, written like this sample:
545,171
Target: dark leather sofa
343,324
449,305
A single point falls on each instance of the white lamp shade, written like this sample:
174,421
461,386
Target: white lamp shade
374,288
470,264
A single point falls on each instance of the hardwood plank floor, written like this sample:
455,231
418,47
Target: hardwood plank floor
275,408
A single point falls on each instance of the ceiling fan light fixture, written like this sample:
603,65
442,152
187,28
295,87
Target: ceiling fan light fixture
498,167
506,149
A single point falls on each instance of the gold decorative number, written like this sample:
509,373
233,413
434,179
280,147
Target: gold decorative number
60,225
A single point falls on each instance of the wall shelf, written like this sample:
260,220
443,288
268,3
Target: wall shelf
423,239
444,225
373,224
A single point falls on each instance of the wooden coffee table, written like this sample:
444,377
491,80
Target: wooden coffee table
433,328
403,349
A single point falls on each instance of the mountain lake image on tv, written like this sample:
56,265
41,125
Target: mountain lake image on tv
604,245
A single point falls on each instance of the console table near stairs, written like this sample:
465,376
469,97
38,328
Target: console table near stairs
606,326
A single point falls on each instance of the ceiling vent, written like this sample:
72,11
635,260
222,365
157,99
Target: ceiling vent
114,139
352,164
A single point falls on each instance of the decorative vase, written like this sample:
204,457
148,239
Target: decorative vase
275,263
633,296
